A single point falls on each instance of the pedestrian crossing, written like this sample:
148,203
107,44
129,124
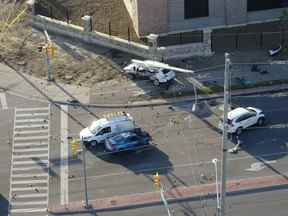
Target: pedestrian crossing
29,178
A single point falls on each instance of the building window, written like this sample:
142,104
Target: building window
196,8
255,5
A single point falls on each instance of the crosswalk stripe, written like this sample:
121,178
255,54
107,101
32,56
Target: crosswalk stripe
31,195
29,178
32,109
36,167
30,144
29,188
31,131
29,203
31,138
31,114
31,126
29,175
30,150
30,156
31,162
28,210
30,182
31,120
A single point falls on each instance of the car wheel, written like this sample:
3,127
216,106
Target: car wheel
93,143
260,121
156,82
131,76
239,131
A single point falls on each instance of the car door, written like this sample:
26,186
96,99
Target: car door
243,121
103,133
251,119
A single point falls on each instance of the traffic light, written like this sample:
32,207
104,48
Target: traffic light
157,180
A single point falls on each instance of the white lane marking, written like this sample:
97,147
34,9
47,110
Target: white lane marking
36,167
28,144
29,203
31,162
30,150
29,188
28,210
30,182
31,131
33,175
3,100
31,120
33,114
32,109
31,138
30,156
257,166
32,126
64,155
31,195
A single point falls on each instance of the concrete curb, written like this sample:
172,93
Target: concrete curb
180,194
161,102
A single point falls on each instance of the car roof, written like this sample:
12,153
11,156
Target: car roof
123,135
235,113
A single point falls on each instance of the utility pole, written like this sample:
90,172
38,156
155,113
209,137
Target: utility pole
84,173
215,162
224,137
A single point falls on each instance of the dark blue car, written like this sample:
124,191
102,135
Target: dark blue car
131,140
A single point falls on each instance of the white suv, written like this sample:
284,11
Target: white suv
242,118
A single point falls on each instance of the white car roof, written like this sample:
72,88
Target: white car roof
235,113
105,121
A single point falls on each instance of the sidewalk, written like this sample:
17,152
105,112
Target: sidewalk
14,84
177,194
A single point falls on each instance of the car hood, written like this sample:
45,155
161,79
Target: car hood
85,133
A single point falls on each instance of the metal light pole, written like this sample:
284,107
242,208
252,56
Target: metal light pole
84,173
164,201
224,137
215,161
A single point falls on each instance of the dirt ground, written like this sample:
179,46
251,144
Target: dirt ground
104,13
72,65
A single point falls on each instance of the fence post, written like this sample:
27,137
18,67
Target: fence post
128,33
109,27
50,12
87,23
67,16
261,40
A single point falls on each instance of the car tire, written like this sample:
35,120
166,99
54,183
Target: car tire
239,131
156,82
261,121
131,76
93,143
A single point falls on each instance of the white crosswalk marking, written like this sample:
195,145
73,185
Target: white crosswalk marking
29,179
3,100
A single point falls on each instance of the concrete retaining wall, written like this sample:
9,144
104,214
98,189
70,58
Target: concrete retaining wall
70,30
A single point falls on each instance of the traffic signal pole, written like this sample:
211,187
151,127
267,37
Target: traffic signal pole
224,137
49,51
157,183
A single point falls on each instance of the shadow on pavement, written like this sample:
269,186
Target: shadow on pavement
146,161
4,204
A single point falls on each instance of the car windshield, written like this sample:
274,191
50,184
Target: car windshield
94,128
251,110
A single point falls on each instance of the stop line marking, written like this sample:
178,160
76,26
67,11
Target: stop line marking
3,100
